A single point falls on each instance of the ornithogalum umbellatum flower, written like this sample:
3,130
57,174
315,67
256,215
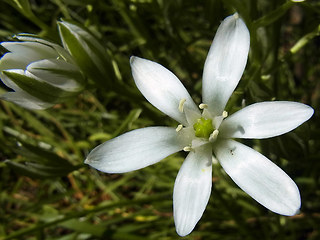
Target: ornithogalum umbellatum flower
207,130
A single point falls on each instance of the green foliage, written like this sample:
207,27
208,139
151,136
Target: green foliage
48,193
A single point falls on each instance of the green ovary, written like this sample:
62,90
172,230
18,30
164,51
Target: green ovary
203,128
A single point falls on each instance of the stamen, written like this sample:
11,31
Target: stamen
203,106
187,149
181,103
213,135
179,128
225,114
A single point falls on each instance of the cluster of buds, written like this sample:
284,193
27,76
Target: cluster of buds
42,74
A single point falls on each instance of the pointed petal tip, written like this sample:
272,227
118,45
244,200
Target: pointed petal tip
61,25
310,111
289,212
87,161
298,211
182,233
134,59
292,210
236,15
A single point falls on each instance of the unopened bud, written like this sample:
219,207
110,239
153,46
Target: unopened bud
41,73
92,58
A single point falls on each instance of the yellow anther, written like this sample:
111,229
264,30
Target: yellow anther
203,106
179,128
225,114
181,103
213,135
187,149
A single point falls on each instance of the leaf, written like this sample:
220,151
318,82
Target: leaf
273,16
133,115
40,163
84,227
34,170
305,39
41,155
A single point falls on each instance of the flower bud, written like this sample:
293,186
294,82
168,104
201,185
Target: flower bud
41,73
92,58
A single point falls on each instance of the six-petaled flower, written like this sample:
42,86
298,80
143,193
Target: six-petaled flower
207,129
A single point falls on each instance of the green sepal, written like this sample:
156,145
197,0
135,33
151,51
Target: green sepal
39,89
88,53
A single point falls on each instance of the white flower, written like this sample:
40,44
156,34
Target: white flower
41,73
208,132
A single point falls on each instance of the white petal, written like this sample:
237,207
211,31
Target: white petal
259,177
13,61
25,100
161,88
135,149
8,82
59,50
225,63
32,50
192,189
266,119
57,73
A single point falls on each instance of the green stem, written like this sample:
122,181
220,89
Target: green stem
305,39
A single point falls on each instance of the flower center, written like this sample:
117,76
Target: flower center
203,128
